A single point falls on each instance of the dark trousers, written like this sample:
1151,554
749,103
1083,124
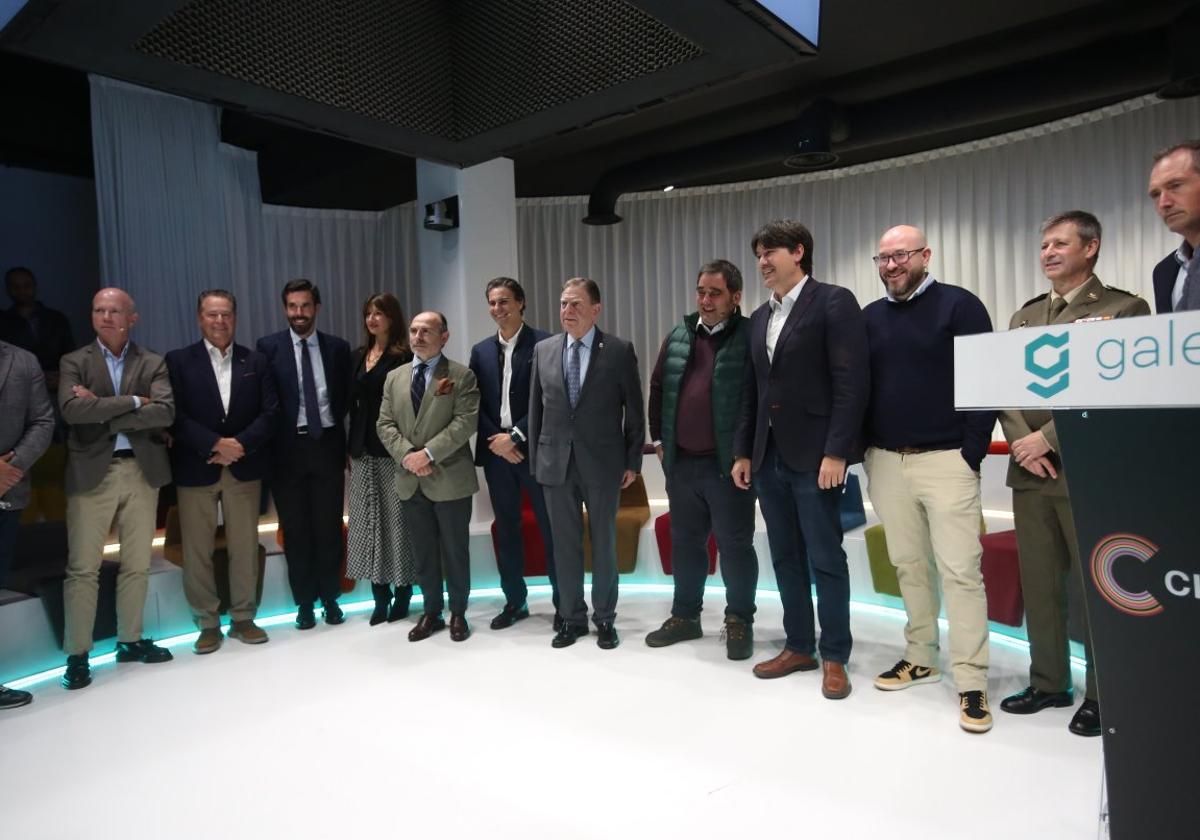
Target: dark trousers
309,498
704,501
441,537
804,527
564,502
9,521
505,482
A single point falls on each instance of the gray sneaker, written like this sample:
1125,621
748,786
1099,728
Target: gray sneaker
739,638
675,630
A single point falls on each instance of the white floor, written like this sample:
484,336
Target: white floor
353,732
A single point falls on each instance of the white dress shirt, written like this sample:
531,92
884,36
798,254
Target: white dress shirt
506,381
780,309
222,366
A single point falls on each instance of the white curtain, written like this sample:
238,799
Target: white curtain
980,203
180,212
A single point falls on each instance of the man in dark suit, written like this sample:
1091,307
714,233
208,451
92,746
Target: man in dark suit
501,364
801,426
43,331
586,431
26,425
117,403
1175,190
225,411
312,375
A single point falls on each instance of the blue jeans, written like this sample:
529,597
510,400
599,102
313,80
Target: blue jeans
804,530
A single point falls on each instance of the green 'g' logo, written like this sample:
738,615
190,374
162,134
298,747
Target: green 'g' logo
1047,373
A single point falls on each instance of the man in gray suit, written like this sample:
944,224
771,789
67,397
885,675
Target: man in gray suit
586,430
429,412
116,400
26,425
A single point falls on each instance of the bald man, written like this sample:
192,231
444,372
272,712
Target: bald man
116,400
922,462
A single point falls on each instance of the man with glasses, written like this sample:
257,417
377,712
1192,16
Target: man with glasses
923,461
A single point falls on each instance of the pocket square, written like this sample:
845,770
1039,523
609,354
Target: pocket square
444,386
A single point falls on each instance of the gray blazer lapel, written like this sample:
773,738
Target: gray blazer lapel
594,362
6,362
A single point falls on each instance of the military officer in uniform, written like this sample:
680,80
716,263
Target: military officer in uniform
1041,509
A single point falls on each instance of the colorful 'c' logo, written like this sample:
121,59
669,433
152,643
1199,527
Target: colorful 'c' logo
1105,554
1047,373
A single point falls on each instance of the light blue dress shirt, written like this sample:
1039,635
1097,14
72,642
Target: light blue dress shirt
585,354
116,370
314,353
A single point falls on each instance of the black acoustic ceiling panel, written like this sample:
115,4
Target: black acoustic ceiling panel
449,68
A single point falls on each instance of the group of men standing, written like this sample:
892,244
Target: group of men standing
774,406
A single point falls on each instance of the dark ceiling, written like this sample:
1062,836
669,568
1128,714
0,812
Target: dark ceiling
339,96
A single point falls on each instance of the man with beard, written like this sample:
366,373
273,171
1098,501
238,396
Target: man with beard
923,461
312,375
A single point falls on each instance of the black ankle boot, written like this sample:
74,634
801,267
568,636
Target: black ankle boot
399,608
383,597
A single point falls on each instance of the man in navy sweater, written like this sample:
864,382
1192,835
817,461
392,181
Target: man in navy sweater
923,461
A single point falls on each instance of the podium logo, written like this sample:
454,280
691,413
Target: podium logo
1054,376
1105,555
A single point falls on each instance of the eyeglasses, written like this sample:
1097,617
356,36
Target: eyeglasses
899,258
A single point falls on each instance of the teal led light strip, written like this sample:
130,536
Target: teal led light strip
544,589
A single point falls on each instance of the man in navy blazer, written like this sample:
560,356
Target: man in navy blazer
225,412
801,426
502,364
312,375
1175,191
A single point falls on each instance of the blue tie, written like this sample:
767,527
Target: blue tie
573,373
418,387
312,409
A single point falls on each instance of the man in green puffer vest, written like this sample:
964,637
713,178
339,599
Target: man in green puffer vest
695,397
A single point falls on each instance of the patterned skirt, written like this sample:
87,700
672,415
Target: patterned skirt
379,549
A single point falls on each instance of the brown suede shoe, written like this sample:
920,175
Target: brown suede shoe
210,640
835,682
249,632
783,664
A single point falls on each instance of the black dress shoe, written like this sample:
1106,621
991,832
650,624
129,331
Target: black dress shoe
143,650
509,616
427,625
1087,720
459,631
399,607
568,633
606,635
79,673
333,613
305,619
558,622
11,698
1031,700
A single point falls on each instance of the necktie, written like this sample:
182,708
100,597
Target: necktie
1191,287
418,386
573,373
312,409
1056,307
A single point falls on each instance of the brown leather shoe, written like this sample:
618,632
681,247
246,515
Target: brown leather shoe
248,632
835,682
427,625
210,639
785,663
459,631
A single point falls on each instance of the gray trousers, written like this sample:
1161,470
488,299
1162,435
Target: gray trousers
564,503
440,533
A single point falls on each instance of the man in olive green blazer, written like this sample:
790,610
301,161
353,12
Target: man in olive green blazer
1046,541
430,410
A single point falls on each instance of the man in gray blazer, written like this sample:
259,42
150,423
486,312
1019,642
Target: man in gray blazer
26,425
429,411
586,431
116,400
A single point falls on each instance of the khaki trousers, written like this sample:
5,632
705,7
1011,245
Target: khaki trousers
1047,552
198,526
123,495
930,507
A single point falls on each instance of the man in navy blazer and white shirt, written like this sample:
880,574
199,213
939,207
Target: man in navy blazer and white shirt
801,426
225,413
312,375
501,364
1175,191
